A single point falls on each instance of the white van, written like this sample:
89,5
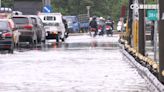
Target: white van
53,25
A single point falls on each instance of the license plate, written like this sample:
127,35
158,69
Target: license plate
54,32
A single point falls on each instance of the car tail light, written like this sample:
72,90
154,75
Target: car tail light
28,27
7,35
107,26
99,27
6,46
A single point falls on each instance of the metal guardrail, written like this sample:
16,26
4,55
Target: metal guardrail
149,69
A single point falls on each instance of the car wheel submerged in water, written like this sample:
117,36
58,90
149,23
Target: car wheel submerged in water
66,34
57,37
11,50
62,39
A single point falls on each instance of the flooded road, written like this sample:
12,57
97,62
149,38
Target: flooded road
80,64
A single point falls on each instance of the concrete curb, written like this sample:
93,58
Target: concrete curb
154,84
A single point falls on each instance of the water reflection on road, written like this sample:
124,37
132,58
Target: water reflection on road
80,64
79,45
75,42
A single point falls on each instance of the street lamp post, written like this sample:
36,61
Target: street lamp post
47,2
141,30
0,4
88,10
130,22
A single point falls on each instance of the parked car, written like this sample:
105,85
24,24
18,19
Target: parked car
26,28
84,22
39,27
53,25
6,35
73,23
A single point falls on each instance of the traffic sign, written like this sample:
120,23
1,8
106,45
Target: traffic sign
149,6
152,15
47,9
134,6
144,6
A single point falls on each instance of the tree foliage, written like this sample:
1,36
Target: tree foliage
7,3
98,7
151,1
74,7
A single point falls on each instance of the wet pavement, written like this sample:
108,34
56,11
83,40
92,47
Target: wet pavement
80,64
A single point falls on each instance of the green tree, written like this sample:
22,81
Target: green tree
7,3
151,1
98,7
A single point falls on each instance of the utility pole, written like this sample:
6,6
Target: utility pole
0,3
47,2
43,3
78,3
141,40
88,10
161,41
135,24
130,20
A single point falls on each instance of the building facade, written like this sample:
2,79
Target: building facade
28,7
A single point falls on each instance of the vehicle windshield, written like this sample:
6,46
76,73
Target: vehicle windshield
51,24
20,20
3,25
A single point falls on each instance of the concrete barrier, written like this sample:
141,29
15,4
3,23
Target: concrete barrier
154,84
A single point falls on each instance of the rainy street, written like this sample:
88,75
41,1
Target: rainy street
80,64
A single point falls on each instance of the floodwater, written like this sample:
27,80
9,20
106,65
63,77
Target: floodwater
80,64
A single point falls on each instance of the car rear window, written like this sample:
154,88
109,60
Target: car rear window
20,20
4,25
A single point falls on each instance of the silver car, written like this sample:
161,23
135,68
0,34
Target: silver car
26,28
38,26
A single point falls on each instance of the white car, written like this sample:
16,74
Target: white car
54,26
